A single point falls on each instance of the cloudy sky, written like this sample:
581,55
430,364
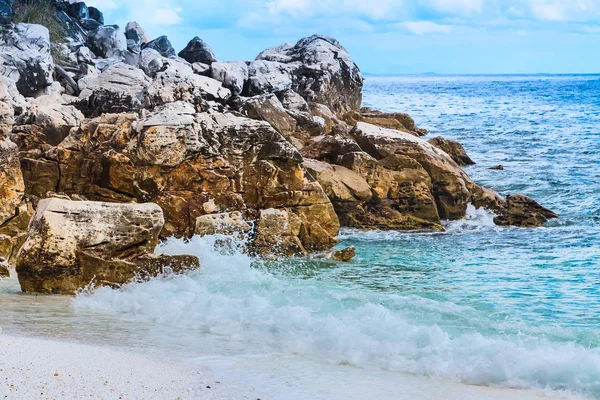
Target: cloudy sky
388,36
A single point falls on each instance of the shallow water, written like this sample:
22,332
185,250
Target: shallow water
476,304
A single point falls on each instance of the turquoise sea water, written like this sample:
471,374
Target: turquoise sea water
476,304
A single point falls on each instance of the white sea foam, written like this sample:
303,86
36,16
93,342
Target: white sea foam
235,299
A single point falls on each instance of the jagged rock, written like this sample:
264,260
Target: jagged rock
198,51
96,14
136,27
201,69
74,32
343,255
25,57
321,70
11,181
453,149
119,88
268,108
524,212
107,41
151,62
162,45
72,244
54,118
233,74
223,224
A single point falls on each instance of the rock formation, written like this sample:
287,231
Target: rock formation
276,148
72,244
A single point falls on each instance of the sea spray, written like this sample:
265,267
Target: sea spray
237,298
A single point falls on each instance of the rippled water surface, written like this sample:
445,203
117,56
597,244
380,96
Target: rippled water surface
477,304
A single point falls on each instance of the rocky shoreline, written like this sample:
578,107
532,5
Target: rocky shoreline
277,148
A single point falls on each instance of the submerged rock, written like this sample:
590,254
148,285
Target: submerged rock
71,245
524,212
344,255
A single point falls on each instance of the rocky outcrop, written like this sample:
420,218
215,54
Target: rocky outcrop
71,245
233,74
107,41
198,51
398,121
162,45
319,68
524,212
453,149
11,181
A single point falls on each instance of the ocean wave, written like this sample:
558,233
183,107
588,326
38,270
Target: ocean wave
236,298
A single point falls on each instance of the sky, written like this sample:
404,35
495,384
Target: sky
387,36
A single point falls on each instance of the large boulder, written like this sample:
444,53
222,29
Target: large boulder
233,74
451,186
71,245
319,68
6,12
25,57
119,88
107,41
394,120
138,28
198,51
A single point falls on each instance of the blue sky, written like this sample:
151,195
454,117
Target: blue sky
388,36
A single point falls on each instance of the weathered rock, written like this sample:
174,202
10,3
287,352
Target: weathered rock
450,184
77,10
174,85
233,74
269,108
198,51
398,121
6,105
73,244
524,212
54,118
497,168
11,181
134,41
223,223
343,255
162,45
345,188
269,77
138,28
4,272
320,69
107,41
119,88
454,149
25,57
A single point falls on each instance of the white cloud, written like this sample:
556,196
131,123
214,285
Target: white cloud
425,27
455,7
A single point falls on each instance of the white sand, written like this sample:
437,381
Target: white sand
44,369
41,369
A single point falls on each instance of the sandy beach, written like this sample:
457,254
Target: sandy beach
43,369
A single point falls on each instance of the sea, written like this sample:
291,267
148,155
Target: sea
477,304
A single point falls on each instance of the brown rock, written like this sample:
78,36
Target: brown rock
344,255
497,168
4,271
73,244
268,108
524,212
453,149
399,121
